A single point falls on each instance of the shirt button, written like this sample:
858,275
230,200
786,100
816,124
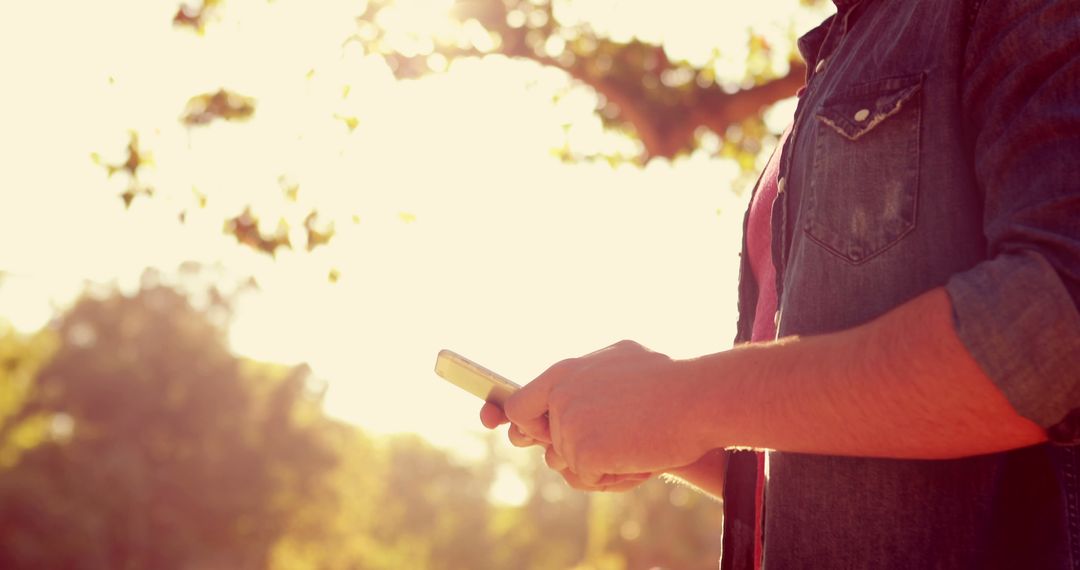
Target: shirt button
862,115
820,66
781,186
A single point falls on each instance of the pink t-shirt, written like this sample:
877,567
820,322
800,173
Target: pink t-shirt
759,249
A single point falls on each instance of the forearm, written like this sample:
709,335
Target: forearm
706,475
901,386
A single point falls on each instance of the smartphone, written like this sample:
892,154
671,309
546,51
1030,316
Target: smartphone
473,378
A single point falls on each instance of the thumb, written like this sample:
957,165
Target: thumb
528,407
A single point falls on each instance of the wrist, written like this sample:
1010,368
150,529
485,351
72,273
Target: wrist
704,414
720,398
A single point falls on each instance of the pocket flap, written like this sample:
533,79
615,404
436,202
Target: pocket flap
856,111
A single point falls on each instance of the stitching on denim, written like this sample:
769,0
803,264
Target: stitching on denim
973,13
875,121
973,9
1071,511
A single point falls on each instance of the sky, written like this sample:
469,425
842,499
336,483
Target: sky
470,235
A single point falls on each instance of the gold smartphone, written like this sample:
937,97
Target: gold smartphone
473,378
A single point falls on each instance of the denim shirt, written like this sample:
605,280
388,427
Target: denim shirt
937,144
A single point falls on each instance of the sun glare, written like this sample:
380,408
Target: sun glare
414,25
455,226
509,489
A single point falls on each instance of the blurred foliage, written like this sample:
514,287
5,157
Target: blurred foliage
222,104
245,227
136,159
162,450
665,103
131,437
318,232
670,106
196,16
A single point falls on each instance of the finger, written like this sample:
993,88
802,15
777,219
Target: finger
623,487
595,479
554,460
608,483
528,407
518,438
609,479
575,482
492,416
622,345
544,432
590,473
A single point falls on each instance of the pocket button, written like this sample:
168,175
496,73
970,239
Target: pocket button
862,115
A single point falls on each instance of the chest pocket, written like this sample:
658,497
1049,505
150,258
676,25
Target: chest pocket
864,187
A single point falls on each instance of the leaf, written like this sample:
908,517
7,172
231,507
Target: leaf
289,188
133,191
245,228
196,17
222,104
317,236
200,198
136,158
350,121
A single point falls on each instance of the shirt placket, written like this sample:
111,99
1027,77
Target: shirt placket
781,213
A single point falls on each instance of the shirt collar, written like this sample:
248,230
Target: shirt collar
842,5
810,43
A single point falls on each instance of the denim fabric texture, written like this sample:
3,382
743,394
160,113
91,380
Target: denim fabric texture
937,143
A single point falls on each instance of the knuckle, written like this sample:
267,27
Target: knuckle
562,366
585,461
516,438
572,480
553,460
517,410
549,458
570,458
510,408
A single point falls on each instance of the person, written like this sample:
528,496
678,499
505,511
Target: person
918,233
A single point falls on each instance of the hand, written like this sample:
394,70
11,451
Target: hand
492,416
620,410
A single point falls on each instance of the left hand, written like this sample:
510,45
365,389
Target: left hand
620,410
492,416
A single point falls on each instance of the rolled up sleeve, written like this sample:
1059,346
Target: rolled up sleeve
1017,311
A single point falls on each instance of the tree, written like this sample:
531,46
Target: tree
668,104
162,449
664,102
130,437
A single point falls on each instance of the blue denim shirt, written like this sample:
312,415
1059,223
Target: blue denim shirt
937,144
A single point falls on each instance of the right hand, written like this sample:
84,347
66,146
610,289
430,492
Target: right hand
492,416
